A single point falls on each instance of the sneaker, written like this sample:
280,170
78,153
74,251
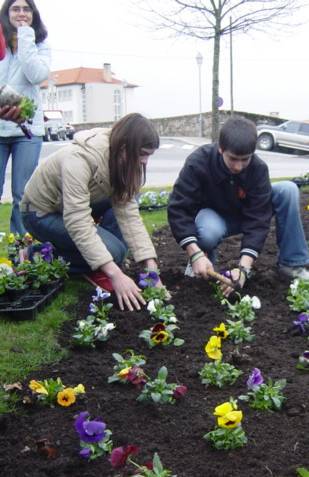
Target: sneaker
189,271
99,279
294,272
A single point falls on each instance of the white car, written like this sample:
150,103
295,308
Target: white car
290,134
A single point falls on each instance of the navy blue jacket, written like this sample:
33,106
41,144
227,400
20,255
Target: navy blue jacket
205,182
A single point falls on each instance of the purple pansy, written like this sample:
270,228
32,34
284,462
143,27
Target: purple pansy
85,453
47,252
302,323
255,379
306,354
149,279
100,295
89,431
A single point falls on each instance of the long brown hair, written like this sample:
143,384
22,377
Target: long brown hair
37,24
128,136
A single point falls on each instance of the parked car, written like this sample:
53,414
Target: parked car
290,134
69,130
54,126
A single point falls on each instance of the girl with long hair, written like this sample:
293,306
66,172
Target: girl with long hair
25,65
83,200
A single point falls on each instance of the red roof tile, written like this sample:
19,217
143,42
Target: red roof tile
81,76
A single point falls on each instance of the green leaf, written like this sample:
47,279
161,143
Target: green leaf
162,373
302,472
178,342
156,397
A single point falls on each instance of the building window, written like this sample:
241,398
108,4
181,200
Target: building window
65,95
68,116
117,104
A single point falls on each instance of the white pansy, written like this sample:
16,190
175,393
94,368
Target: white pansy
256,303
294,286
172,319
152,305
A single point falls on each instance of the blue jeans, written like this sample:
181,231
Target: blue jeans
51,228
25,157
293,249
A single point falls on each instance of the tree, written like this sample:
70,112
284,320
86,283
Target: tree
211,19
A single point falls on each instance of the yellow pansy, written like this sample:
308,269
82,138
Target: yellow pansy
79,389
160,337
11,238
230,420
124,372
37,387
6,261
221,331
224,408
213,348
66,397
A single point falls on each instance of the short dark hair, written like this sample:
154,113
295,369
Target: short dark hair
37,24
238,135
131,134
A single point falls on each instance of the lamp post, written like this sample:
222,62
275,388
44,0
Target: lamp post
199,60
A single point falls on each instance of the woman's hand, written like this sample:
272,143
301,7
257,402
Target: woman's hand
10,113
127,292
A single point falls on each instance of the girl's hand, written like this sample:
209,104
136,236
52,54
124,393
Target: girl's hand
10,113
127,292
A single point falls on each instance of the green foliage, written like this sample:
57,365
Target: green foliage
267,396
302,472
238,332
156,471
219,374
129,360
298,295
158,390
27,108
243,309
227,439
162,312
154,293
91,330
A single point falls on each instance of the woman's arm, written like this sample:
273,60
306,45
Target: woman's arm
34,59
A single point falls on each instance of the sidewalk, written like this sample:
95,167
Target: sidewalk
196,141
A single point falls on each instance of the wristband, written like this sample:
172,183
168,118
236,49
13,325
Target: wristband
195,256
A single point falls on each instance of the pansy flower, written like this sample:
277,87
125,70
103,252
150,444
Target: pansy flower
255,379
89,431
213,348
159,334
119,455
149,279
221,331
66,397
37,387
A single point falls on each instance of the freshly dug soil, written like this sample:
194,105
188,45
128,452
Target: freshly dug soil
278,442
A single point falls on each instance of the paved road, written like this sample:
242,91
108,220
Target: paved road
164,165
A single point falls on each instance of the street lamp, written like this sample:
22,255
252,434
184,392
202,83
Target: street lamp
199,60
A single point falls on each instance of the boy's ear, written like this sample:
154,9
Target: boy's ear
220,150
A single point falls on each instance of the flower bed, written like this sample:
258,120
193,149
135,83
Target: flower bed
277,441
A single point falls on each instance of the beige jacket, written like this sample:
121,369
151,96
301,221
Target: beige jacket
72,178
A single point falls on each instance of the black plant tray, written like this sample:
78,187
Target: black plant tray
27,305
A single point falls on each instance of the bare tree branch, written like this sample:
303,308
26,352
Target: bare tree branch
211,19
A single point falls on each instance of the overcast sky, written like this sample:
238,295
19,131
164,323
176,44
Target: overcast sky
270,72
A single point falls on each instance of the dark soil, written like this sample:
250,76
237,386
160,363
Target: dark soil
278,442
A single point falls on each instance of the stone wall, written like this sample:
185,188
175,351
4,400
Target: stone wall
188,125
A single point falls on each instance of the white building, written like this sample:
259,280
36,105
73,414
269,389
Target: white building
88,95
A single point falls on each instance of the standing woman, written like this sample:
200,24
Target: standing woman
72,187
25,65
